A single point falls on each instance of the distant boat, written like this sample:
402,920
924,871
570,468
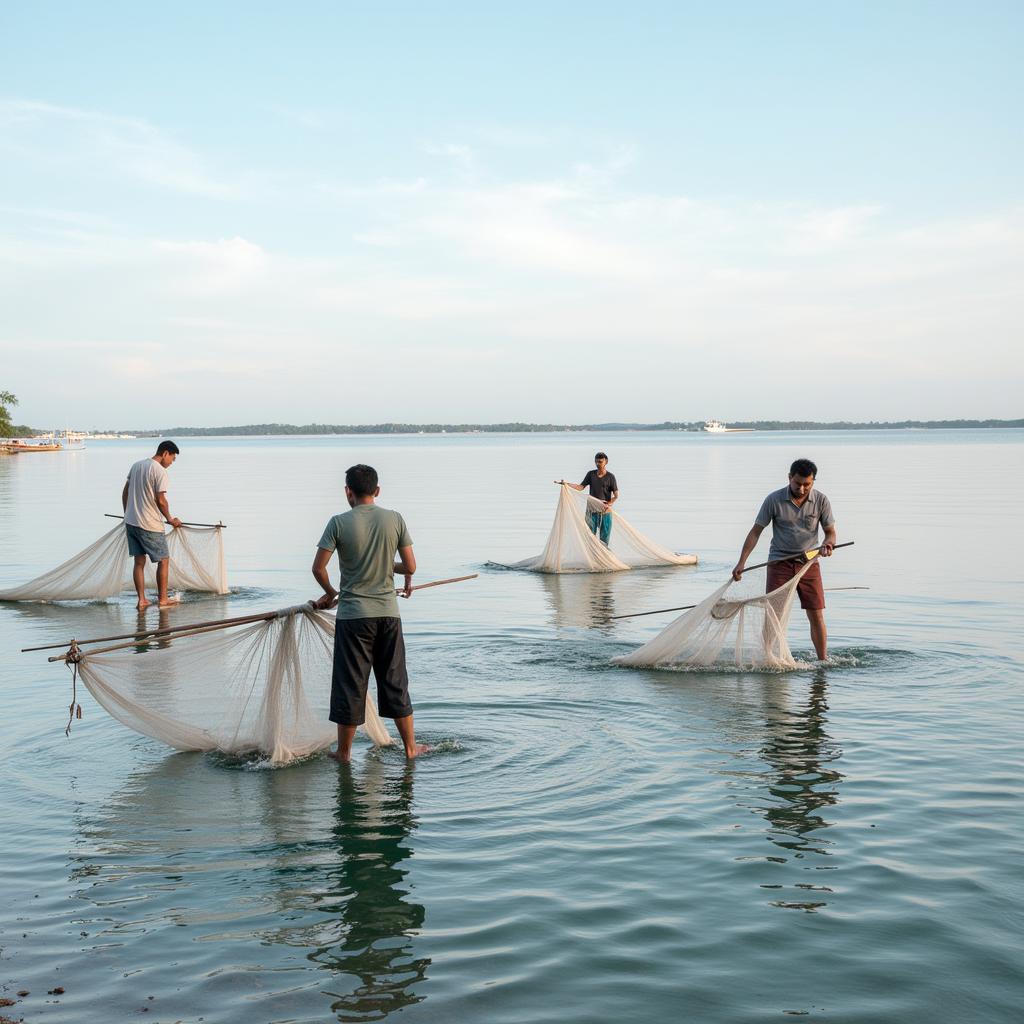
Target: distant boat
718,427
18,447
71,441
66,441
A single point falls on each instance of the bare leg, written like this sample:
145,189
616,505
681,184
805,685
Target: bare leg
162,571
405,730
819,634
139,579
346,733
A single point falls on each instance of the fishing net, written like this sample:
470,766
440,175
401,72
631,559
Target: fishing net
261,688
572,547
742,631
104,569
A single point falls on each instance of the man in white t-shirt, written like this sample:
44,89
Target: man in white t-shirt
144,500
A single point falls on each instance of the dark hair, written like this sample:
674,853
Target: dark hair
803,467
601,455
167,446
361,480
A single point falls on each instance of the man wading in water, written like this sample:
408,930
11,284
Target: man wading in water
796,511
144,502
368,631
605,488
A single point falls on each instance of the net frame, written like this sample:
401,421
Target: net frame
573,547
239,691
104,569
745,633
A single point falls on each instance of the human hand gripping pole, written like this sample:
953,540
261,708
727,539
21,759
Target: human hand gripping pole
808,556
330,600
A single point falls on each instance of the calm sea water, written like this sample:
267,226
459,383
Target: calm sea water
588,843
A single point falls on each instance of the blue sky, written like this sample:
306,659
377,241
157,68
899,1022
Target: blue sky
231,213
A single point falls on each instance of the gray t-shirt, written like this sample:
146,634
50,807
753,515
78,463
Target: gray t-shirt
146,479
794,530
366,539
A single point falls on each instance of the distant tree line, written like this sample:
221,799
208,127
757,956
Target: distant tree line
528,428
7,402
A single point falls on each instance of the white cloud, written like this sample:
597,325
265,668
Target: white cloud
106,144
227,264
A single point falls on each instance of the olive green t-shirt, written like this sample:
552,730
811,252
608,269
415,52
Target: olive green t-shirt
366,539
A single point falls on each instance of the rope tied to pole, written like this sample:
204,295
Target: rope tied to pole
71,659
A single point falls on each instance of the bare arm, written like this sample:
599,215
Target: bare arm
406,566
124,498
575,487
165,509
320,562
829,542
749,543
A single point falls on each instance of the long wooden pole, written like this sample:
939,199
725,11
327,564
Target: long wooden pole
175,636
213,526
808,555
192,627
687,607
143,634
439,583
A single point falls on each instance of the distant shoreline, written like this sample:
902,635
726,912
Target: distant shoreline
696,426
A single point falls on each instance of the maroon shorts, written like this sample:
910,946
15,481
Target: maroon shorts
812,594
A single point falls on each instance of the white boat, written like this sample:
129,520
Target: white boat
718,427
71,441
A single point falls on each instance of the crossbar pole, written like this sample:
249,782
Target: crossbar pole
171,636
140,635
439,583
212,526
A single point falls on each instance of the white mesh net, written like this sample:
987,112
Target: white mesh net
572,547
104,570
746,632
254,689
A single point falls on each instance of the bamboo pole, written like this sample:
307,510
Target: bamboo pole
193,628
808,555
439,583
141,635
212,526
176,636
687,607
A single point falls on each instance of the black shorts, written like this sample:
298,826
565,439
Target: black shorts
359,645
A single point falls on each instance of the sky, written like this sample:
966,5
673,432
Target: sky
574,212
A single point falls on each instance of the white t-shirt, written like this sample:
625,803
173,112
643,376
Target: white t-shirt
146,479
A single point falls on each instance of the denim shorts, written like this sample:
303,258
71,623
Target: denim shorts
146,542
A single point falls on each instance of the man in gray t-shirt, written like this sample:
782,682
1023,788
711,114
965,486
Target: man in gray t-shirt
368,630
796,512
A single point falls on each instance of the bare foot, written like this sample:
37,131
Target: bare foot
420,748
169,601
335,755
143,605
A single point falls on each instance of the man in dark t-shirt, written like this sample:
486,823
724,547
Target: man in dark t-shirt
605,489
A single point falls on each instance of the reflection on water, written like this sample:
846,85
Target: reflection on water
584,600
372,957
803,785
194,851
798,787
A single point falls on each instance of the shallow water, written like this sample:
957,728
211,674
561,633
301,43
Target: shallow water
587,843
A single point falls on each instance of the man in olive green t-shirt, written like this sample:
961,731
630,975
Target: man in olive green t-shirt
368,631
